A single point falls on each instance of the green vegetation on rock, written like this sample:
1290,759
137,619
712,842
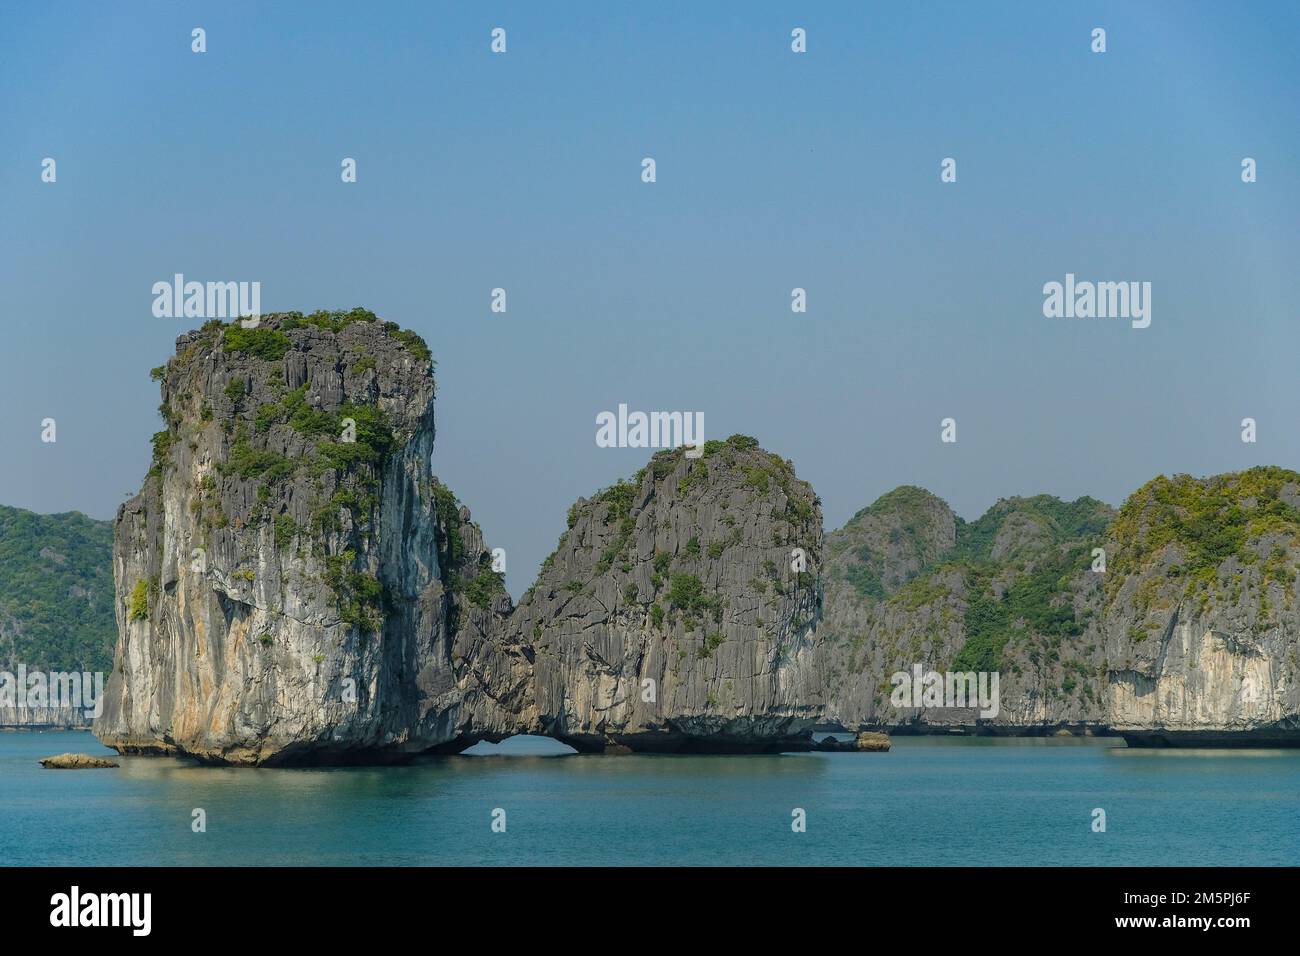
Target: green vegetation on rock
1036,603
446,511
359,595
285,530
411,341
249,462
686,594
1061,521
332,321
484,586
1207,520
138,605
267,344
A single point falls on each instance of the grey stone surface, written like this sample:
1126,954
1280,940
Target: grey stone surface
285,595
244,655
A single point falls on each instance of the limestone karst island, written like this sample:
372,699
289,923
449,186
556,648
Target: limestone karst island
292,584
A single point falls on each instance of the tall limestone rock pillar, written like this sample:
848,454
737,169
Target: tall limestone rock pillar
285,578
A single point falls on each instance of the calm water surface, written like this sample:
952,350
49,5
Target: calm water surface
929,801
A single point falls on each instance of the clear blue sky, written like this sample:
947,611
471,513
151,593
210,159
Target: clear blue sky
775,170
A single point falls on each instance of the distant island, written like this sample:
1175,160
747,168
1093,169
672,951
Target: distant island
294,585
56,605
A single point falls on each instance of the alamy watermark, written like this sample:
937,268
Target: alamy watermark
922,688
1098,300
651,430
130,910
208,300
37,690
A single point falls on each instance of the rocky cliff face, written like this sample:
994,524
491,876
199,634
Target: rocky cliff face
286,578
679,610
293,584
1189,635
909,584
1201,622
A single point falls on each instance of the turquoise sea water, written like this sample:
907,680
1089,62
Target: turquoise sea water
929,801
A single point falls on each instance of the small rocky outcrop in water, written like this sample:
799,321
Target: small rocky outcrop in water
865,742
78,762
679,610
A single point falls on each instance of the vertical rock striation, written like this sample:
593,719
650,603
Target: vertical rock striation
679,611
284,579
293,585
1201,624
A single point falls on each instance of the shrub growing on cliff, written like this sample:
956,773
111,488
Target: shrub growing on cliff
293,409
697,474
686,594
285,530
374,438
711,643
333,321
249,462
138,604
266,416
662,464
484,586
359,595
267,344
162,442
410,341
446,512
758,479
619,496
304,419
618,546
920,591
